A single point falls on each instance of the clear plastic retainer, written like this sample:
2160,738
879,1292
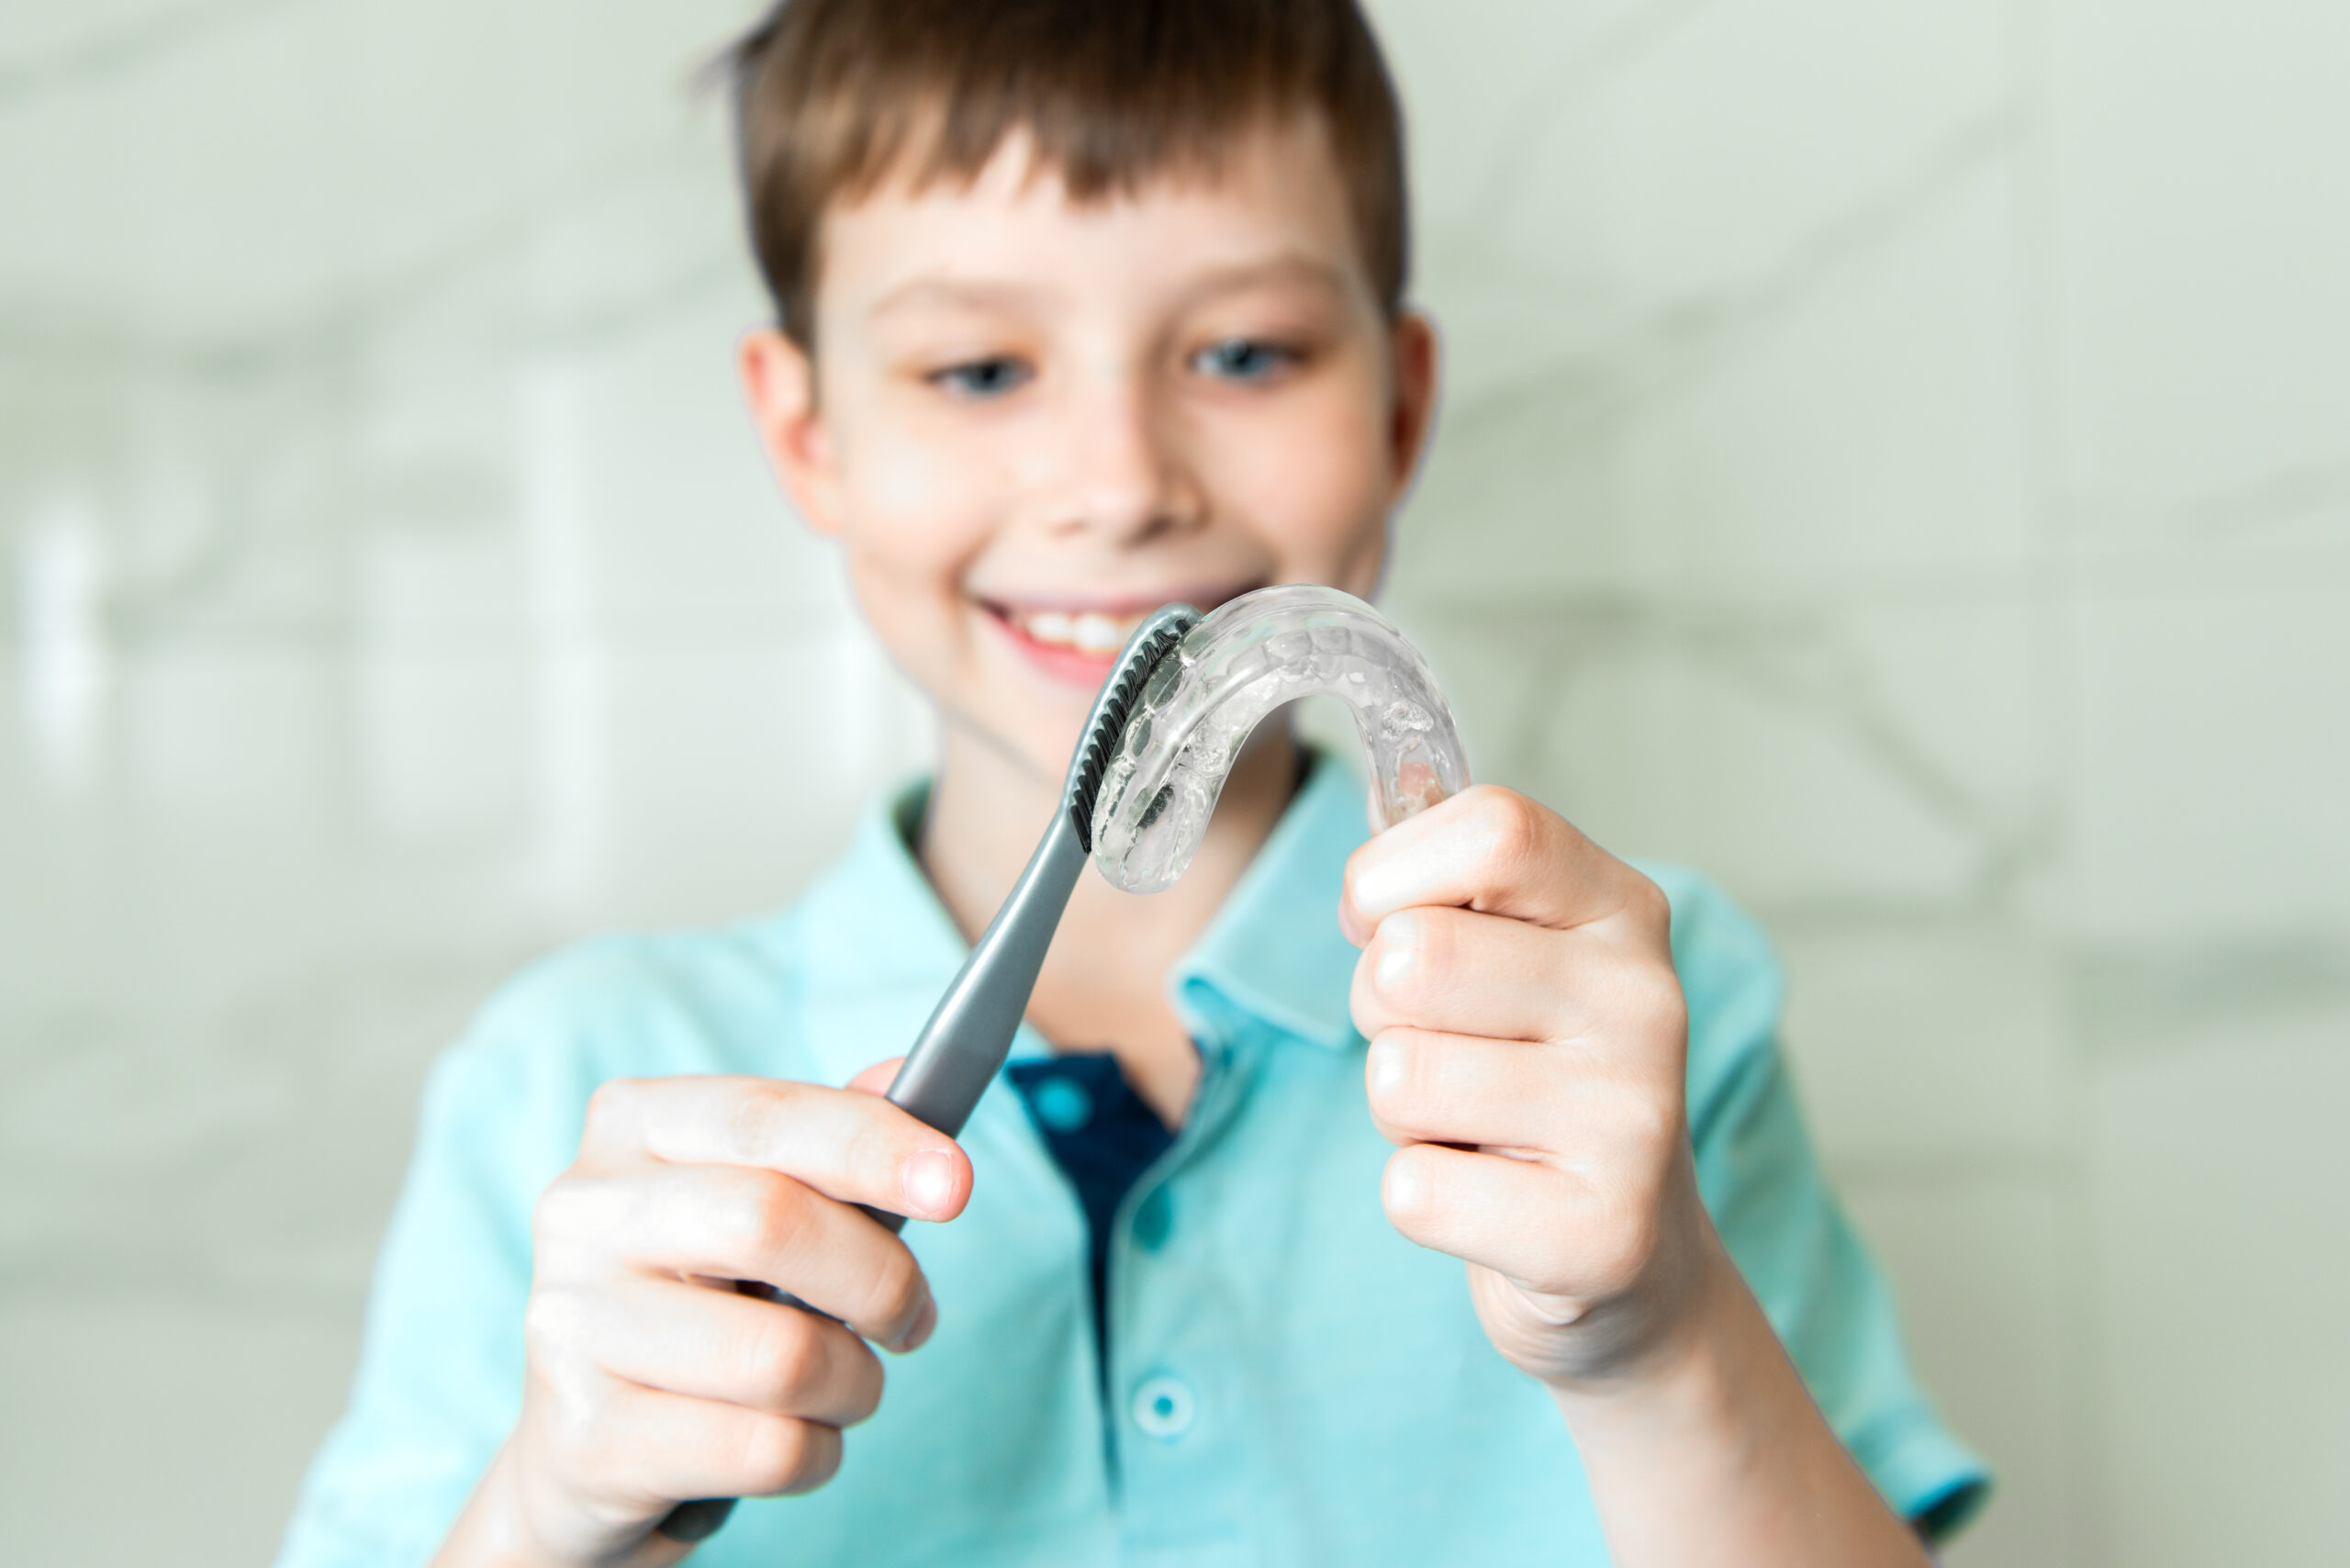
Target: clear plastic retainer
1238,665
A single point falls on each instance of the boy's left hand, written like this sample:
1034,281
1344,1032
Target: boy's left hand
1529,1042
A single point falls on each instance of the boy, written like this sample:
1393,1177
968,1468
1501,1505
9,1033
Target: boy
1083,308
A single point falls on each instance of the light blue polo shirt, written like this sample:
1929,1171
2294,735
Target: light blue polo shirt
1289,1382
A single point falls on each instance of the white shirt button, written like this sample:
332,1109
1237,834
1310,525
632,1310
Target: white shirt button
1164,1407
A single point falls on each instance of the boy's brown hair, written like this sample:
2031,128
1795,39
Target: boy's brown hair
835,96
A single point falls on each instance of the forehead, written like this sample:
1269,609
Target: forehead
1272,204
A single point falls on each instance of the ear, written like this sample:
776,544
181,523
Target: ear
1413,343
780,384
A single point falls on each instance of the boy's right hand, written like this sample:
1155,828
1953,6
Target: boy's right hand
651,1379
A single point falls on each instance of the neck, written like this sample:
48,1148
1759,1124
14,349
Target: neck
1104,983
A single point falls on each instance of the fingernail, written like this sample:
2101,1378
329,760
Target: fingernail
1370,887
929,1181
1404,1191
1386,1068
1399,939
925,1322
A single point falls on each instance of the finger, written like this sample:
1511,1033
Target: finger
733,1222
1485,974
846,1145
1462,972
877,1079
1491,849
1433,1088
1564,1102
672,1448
716,1345
1591,1244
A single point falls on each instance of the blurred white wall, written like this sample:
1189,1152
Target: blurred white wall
1897,456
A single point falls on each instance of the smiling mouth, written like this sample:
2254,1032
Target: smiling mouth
1096,635
1091,632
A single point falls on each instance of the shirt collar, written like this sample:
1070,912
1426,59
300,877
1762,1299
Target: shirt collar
876,947
868,943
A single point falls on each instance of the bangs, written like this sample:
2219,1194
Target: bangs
835,98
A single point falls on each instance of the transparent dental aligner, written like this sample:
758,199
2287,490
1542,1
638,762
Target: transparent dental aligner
1238,665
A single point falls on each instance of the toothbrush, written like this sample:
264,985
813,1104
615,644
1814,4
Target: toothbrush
960,1051
969,1034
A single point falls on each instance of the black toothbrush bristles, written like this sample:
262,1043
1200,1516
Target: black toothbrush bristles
1109,726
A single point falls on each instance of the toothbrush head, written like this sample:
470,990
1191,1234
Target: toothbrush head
1152,641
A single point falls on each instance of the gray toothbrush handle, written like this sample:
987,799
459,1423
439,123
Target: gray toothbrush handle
969,1033
960,1051
956,1057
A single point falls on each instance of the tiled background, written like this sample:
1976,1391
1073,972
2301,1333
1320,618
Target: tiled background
1897,456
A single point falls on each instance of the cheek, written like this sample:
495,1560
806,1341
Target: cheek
917,513
1314,485
918,510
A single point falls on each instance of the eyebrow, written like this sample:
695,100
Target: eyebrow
950,291
1287,266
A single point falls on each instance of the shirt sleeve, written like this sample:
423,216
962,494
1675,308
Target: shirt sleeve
441,1364
1783,1225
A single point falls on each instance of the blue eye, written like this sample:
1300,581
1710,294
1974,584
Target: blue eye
1243,359
990,378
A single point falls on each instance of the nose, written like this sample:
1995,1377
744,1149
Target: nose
1128,478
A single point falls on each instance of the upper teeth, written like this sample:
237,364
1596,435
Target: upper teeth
1090,632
